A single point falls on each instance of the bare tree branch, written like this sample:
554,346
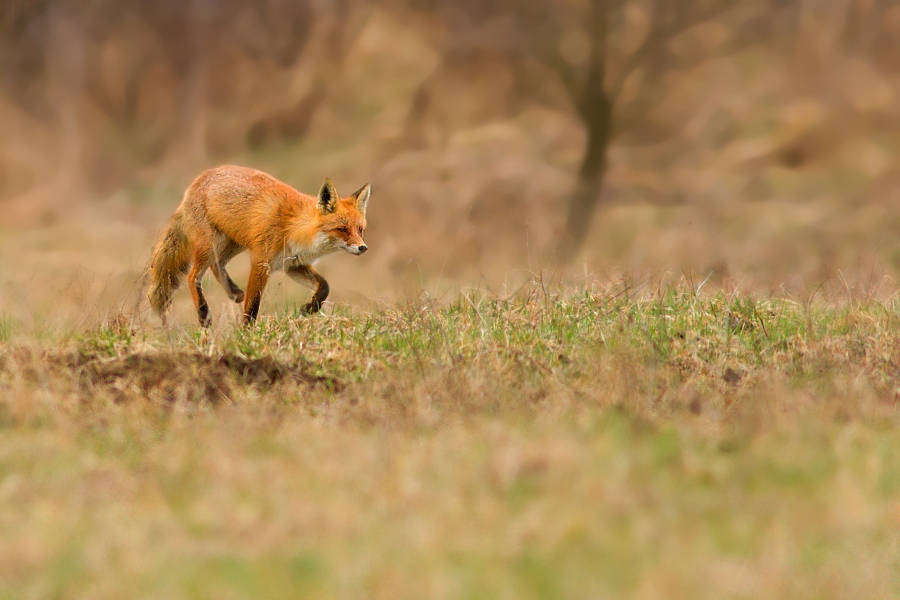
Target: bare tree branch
665,25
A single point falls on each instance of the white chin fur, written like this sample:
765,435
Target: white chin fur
349,248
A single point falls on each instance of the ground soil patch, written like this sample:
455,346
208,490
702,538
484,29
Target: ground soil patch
167,376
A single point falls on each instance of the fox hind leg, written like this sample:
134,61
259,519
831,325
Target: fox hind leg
195,280
222,276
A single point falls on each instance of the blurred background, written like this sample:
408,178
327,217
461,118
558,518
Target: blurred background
752,144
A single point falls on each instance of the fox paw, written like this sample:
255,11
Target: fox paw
312,307
238,296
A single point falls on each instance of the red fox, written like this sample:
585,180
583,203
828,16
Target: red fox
229,209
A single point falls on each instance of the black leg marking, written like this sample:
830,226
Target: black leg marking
308,276
315,304
251,315
203,308
236,293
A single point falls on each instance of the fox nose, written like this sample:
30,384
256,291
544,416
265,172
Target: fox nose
362,249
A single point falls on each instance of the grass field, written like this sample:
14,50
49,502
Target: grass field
592,443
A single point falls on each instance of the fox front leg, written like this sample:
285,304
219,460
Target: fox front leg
259,276
308,276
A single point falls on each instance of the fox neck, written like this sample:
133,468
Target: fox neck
309,249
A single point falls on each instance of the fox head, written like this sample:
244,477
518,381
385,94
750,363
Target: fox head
343,220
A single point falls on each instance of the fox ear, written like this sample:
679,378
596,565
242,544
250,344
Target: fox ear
362,197
328,197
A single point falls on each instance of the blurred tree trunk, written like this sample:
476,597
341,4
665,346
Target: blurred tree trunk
596,99
596,111
581,41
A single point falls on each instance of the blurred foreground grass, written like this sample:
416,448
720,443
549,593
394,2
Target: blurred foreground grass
556,444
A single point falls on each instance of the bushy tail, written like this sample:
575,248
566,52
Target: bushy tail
168,264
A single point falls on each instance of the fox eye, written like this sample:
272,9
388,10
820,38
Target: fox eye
343,230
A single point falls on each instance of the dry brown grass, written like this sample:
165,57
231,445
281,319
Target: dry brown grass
565,445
